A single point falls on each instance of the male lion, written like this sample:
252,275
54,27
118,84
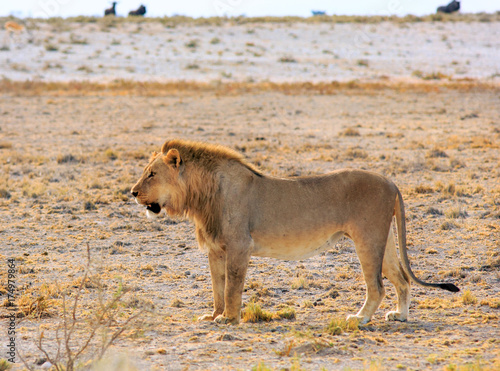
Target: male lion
239,212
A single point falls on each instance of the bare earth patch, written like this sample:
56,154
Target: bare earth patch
68,163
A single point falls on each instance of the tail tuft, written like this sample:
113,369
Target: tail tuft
449,286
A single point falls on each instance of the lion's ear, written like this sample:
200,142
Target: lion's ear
153,156
173,158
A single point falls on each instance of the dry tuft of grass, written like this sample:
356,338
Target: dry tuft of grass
423,189
300,282
456,212
5,365
468,298
177,303
350,132
447,226
339,325
254,313
286,313
437,153
35,307
69,158
356,153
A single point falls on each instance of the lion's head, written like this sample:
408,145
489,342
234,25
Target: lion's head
160,186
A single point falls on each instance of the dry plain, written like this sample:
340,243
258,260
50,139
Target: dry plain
69,154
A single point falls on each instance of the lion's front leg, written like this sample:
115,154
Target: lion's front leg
237,259
217,262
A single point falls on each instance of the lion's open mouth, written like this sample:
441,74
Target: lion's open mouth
155,208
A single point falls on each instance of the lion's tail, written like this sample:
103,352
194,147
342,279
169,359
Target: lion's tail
401,226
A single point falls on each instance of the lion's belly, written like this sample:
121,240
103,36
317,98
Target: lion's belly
293,247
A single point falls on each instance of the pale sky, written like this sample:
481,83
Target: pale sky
207,8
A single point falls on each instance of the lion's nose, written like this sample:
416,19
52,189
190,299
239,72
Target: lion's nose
135,193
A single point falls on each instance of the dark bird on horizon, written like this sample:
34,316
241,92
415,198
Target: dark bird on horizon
111,11
139,12
452,7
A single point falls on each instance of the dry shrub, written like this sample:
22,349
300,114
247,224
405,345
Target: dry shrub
107,321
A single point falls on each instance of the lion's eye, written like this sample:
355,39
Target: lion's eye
151,174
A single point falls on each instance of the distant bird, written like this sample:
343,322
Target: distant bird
452,7
318,12
111,11
140,11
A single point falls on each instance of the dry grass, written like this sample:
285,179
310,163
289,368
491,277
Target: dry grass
337,326
178,20
74,186
152,89
254,313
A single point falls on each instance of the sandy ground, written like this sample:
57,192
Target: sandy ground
253,52
61,153
68,162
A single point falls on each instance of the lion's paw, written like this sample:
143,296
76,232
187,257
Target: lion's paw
225,320
395,316
359,319
206,317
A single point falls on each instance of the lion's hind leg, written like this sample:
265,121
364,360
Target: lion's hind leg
393,270
371,264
